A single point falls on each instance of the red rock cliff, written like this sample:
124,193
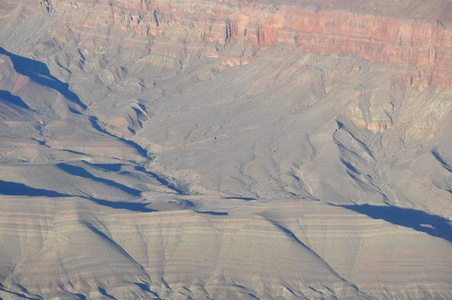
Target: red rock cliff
423,43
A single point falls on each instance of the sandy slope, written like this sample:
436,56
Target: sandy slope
242,249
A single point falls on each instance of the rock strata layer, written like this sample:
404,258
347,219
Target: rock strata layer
278,249
206,28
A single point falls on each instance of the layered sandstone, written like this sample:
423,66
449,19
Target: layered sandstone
198,247
206,28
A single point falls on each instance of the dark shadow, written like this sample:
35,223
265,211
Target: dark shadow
42,143
162,181
94,122
288,233
81,172
10,98
74,152
40,73
214,213
146,288
186,203
350,166
19,189
441,161
123,205
104,292
80,296
241,198
108,167
18,295
418,220
340,125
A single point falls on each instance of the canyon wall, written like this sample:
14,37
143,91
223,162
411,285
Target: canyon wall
204,29
225,149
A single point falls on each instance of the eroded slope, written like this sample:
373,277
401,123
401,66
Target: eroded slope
221,150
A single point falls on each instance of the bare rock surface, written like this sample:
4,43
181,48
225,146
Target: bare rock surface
225,149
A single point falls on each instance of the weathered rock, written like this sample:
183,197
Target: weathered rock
205,28
225,150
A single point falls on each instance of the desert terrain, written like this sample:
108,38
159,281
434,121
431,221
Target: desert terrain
207,149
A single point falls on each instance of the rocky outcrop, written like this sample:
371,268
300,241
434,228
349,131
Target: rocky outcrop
200,28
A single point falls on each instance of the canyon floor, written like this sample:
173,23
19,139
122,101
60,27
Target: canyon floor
225,149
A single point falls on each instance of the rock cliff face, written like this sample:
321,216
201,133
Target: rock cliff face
206,28
157,149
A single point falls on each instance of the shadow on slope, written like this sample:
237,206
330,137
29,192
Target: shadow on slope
20,189
139,207
39,73
15,295
418,220
163,181
10,98
95,123
108,167
213,213
438,157
241,198
81,172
